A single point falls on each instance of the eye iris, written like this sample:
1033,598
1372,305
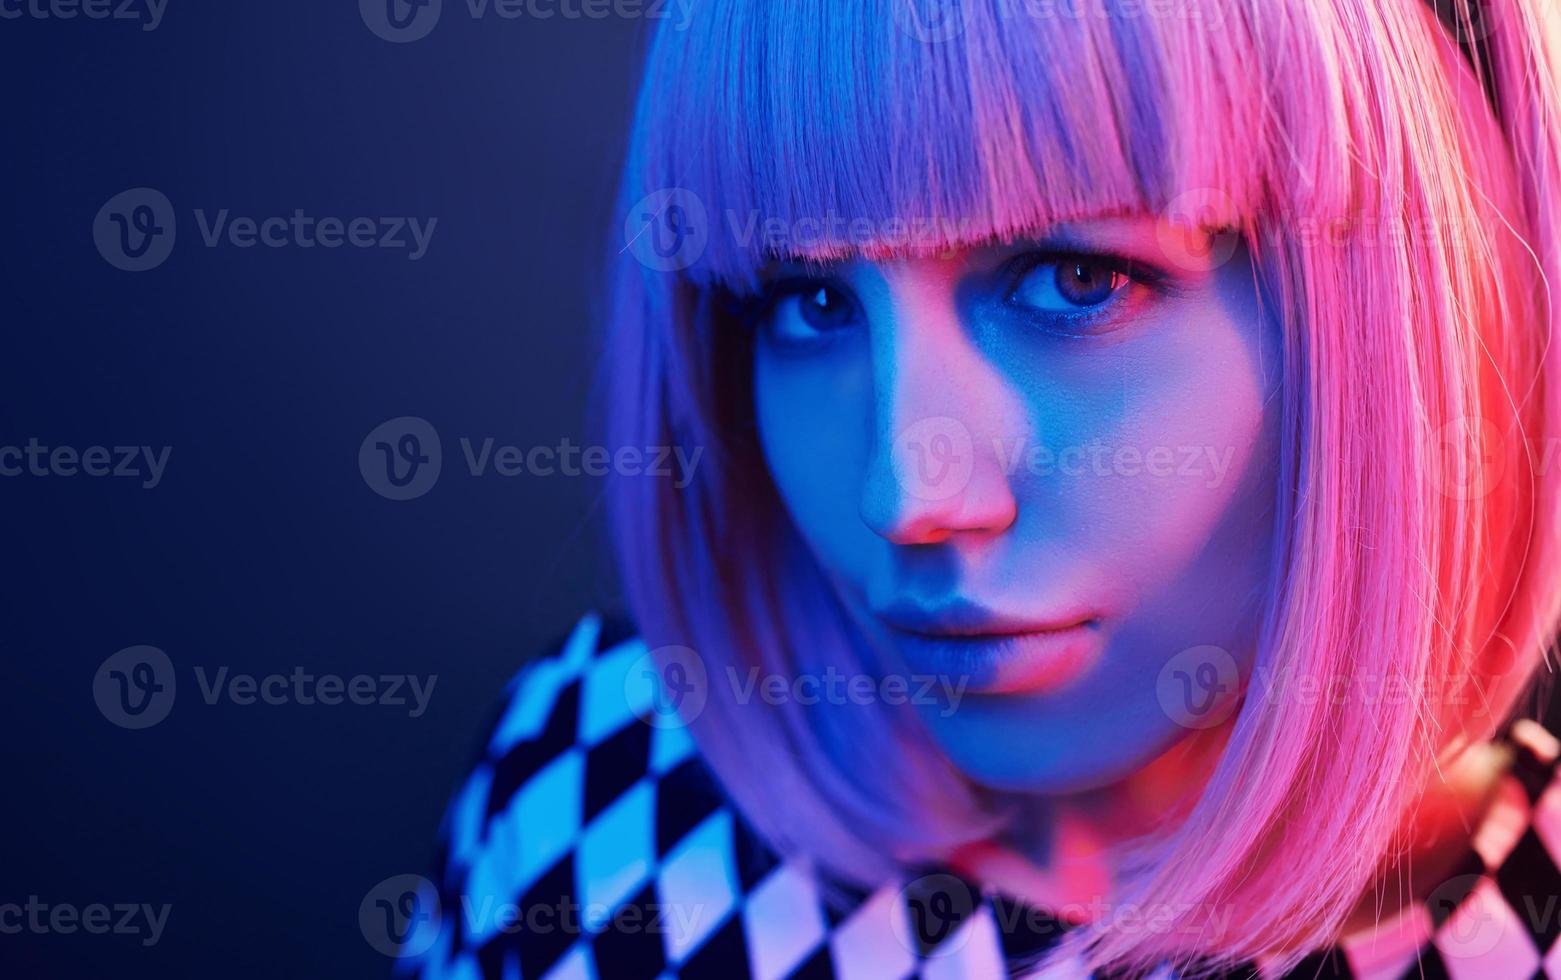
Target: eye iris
824,308
1086,283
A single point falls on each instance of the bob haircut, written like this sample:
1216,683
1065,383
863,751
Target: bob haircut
1400,207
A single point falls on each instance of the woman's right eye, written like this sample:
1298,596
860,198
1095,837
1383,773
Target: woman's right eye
808,310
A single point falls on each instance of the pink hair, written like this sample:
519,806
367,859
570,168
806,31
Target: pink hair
1416,535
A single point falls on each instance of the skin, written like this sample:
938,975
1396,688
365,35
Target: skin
1163,560
852,387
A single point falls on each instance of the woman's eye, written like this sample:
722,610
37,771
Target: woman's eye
811,309
1073,284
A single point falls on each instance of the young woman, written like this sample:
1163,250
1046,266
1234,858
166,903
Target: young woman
1125,535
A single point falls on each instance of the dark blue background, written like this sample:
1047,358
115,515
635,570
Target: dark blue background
264,549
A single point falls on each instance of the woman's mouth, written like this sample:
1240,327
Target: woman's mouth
991,652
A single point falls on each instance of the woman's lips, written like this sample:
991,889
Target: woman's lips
994,654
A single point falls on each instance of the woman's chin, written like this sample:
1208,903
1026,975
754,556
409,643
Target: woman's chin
989,753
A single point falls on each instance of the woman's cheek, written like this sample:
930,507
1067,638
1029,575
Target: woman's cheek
1161,450
815,429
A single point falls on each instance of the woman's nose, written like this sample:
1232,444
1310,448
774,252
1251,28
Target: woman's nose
941,410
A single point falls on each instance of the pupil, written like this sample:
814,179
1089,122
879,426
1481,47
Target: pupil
1084,284
823,309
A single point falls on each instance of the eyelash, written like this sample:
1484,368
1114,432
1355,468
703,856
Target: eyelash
1015,271
1016,268
753,309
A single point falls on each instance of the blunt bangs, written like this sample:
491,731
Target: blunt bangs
824,130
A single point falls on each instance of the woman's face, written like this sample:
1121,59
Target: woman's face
1045,470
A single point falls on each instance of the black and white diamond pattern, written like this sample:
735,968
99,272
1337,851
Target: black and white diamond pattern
587,844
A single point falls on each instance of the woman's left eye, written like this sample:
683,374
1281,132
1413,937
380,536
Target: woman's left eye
809,309
1068,284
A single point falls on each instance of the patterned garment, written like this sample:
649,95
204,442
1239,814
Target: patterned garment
590,843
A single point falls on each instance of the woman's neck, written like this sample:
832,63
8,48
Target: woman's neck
1066,852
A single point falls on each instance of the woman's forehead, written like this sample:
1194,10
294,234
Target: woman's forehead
861,141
